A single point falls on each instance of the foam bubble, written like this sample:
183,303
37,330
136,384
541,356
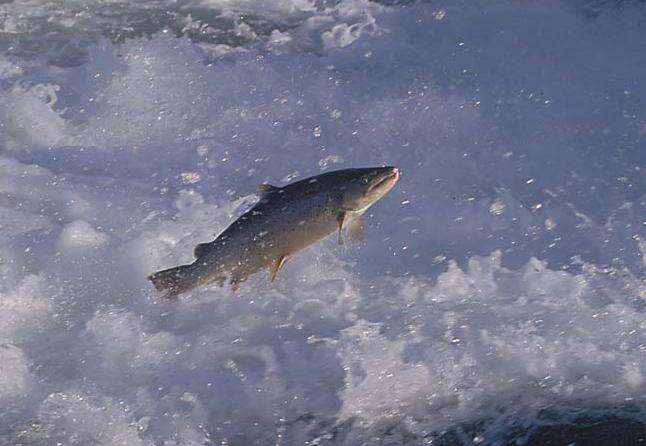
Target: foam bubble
94,420
15,376
80,234
29,118
25,310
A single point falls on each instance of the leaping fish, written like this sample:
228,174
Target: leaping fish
284,221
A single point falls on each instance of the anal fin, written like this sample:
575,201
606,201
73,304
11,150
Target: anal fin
218,280
236,281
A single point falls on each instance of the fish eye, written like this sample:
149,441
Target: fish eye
364,180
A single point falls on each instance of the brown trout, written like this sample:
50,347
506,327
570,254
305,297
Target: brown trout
284,221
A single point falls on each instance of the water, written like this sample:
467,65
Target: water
498,298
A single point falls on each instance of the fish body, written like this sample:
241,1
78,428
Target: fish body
284,221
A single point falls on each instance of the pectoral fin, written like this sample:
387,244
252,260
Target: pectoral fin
341,218
356,229
276,265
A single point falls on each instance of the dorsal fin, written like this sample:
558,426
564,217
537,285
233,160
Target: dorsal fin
266,189
199,249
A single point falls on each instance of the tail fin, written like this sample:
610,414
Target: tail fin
175,280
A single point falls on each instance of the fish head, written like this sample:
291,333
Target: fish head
363,187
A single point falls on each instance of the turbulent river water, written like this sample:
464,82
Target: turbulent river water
498,298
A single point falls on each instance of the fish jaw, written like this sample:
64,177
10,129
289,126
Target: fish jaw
385,180
365,191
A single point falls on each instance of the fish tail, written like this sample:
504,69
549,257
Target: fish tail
175,280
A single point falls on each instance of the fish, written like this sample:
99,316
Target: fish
284,221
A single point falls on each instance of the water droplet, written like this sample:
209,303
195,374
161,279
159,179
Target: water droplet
497,207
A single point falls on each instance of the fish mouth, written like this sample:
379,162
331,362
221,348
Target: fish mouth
386,180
